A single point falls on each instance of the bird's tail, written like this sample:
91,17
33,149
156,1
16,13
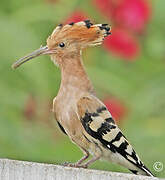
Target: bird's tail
132,162
143,170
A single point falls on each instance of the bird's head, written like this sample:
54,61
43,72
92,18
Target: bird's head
68,40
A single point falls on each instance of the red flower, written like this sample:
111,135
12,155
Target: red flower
132,14
122,43
105,6
76,16
116,108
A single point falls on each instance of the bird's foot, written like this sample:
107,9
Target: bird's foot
76,165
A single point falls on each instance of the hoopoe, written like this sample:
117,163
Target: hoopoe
78,112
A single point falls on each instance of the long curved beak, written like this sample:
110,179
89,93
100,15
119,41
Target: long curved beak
41,51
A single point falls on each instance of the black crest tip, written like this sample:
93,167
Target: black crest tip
72,23
88,23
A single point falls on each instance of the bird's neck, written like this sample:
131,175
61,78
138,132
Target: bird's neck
74,76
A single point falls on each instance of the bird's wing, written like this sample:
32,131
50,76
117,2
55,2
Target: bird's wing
98,123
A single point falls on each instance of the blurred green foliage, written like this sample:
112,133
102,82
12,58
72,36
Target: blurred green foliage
25,25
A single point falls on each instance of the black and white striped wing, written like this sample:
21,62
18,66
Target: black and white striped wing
98,123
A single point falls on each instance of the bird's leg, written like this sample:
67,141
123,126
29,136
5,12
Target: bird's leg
79,162
97,155
85,165
95,158
86,155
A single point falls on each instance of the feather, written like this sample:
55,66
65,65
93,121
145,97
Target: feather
99,124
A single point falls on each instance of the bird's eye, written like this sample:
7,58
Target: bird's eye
62,44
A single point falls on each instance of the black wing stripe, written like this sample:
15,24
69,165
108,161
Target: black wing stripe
133,171
101,109
86,120
110,120
106,128
62,129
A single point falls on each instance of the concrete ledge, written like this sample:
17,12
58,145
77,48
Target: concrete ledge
20,170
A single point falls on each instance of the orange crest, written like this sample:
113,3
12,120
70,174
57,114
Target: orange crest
81,34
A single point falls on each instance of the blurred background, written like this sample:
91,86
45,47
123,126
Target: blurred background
128,73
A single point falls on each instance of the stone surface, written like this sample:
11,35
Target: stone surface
21,170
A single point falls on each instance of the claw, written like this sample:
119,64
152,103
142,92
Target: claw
65,163
68,164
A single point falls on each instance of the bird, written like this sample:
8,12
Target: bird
77,110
